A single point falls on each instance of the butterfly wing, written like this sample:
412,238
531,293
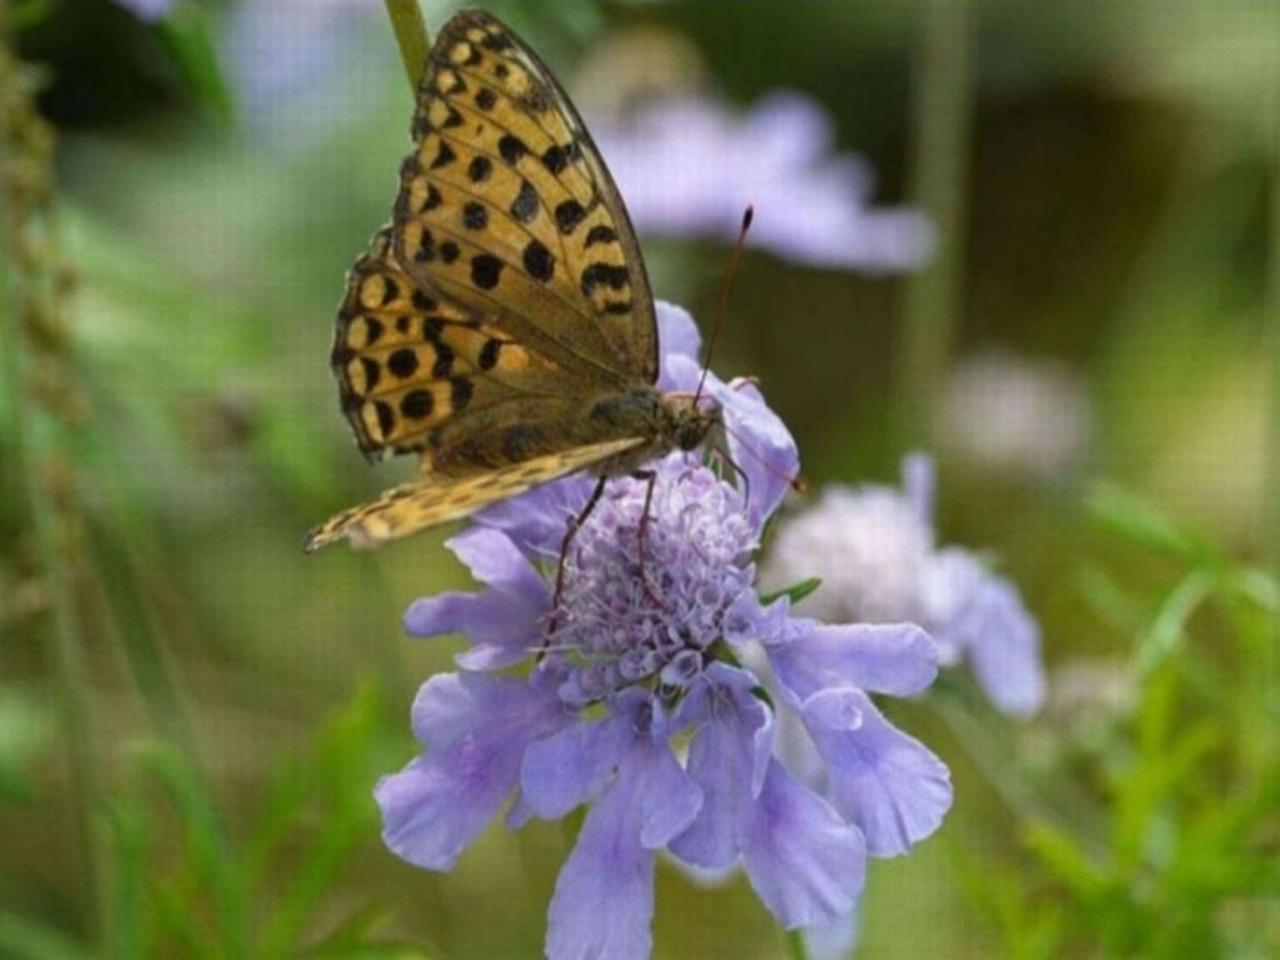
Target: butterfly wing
416,370
507,210
433,499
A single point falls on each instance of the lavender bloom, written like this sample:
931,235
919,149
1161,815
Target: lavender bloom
874,549
641,656
688,168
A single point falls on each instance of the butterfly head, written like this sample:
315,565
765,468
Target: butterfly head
688,419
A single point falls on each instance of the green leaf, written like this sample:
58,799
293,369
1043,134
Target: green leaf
186,33
1166,631
796,592
1140,520
1064,858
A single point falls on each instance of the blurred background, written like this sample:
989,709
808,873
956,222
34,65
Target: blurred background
1039,240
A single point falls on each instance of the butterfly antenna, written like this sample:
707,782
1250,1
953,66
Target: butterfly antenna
725,287
796,483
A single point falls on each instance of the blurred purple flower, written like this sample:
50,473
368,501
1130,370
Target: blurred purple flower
688,167
303,68
874,549
148,10
1017,415
639,657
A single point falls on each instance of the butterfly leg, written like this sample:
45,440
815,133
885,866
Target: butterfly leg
642,532
574,524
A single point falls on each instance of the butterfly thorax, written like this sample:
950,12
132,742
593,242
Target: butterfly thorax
667,421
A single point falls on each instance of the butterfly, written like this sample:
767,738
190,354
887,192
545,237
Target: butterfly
501,327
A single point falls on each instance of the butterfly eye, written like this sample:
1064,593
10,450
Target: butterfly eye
692,432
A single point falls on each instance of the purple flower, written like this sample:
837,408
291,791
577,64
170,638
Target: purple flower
874,549
641,655
688,167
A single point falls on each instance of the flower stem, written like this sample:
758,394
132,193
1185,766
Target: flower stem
940,169
1271,103
796,948
411,37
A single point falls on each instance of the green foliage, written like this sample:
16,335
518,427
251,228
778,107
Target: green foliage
186,887
1189,781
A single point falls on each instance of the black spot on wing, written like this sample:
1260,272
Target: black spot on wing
480,169
423,302
371,372
432,200
444,157
538,261
486,98
416,405
426,251
444,361
568,215
449,251
403,363
512,148
386,417
604,274
555,158
489,353
600,234
475,216
486,270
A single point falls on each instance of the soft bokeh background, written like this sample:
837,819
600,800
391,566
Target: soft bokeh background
192,713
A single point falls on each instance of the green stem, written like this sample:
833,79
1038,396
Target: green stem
940,169
1271,102
796,947
411,37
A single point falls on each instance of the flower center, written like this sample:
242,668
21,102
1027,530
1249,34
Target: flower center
625,620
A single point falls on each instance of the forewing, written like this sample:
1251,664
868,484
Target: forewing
506,207
411,366
434,499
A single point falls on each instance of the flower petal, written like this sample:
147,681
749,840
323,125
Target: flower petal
569,768
677,334
887,783
836,708
728,760
502,622
897,659
803,860
536,521
603,902
1005,649
477,727
835,940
